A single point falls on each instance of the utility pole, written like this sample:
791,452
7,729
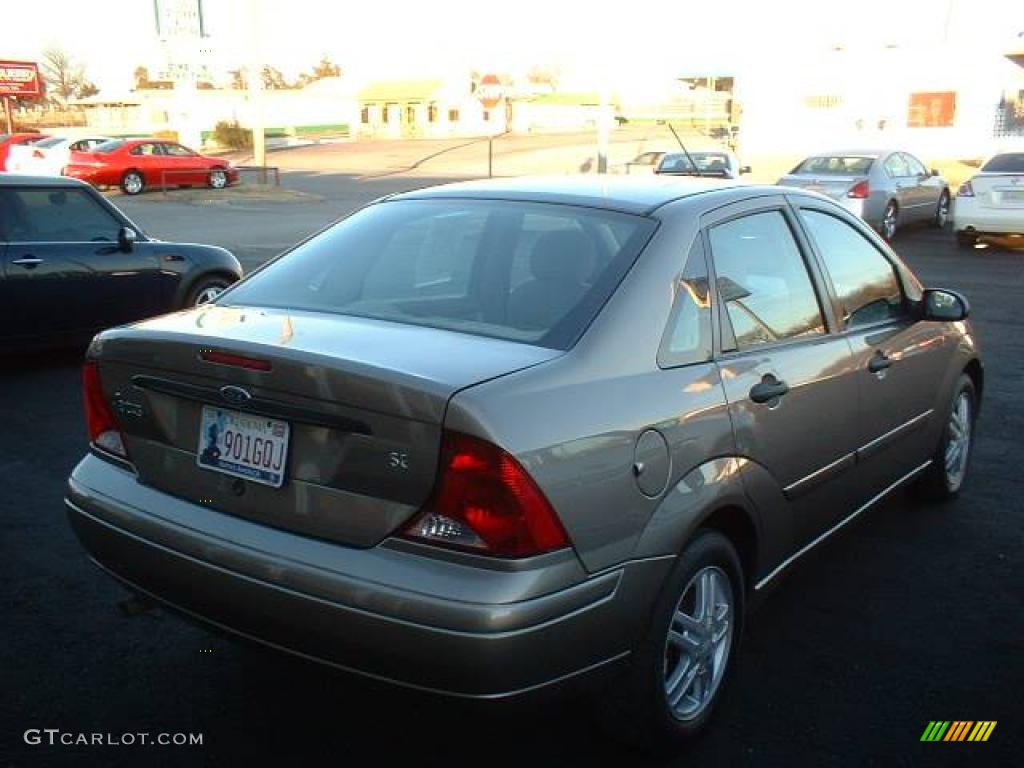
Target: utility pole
259,148
602,130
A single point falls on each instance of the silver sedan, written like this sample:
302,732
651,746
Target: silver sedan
887,188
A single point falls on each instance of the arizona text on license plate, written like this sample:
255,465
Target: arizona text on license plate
243,445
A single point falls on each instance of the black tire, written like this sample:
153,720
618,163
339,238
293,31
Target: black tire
206,288
966,239
890,221
132,183
938,483
941,211
635,706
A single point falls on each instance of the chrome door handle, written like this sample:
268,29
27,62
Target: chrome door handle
27,261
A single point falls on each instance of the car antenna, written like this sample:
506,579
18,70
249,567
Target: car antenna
685,151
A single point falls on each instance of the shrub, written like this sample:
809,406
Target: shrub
232,135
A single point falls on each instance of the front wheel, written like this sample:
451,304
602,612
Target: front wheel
218,179
948,471
206,290
678,672
941,211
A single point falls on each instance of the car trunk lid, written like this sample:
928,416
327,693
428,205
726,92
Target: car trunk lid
999,190
835,187
363,401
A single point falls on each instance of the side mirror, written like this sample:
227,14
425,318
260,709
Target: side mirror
126,237
744,169
944,306
934,172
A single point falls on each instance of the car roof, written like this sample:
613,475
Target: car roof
857,153
18,180
628,194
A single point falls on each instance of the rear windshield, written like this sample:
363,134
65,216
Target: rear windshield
837,165
706,162
108,146
527,272
1011,162
50,142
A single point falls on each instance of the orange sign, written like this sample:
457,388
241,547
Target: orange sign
932,110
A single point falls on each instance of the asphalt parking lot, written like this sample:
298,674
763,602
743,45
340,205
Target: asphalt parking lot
912,613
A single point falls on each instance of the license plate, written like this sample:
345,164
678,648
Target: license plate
1012,195
243,445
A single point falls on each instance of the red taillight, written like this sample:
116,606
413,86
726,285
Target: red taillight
966,190
485,501
238,361
103,430
860,191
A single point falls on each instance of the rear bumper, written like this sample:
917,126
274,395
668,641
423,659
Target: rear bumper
969,215
390,612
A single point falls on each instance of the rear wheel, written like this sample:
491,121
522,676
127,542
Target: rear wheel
941,211
948,471
678,672
966,239
218,178
889,221
132,183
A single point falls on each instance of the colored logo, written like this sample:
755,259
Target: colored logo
958,730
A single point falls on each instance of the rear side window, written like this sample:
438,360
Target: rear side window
528,272
763,282
1011,162
687,337
865,281
896,165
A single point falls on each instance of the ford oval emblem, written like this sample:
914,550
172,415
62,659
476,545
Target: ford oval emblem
235,395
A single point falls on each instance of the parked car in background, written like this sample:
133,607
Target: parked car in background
992,201
49,156
72,264
8,140
645,162
887,188
720,163
135,164
491,437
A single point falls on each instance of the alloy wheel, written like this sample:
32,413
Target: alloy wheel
958,444
889,222
209,292
218,179
699,643
942,213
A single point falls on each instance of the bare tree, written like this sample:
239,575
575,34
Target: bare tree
63,75
273,80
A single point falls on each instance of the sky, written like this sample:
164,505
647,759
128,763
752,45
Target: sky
582,39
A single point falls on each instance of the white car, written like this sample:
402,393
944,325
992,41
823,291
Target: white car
49,156
992,201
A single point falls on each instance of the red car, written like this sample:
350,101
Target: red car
134,164
9,139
